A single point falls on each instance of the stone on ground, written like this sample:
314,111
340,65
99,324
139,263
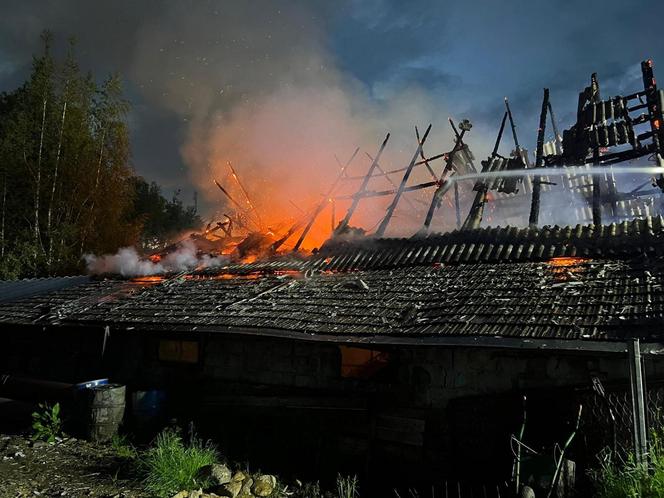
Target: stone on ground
264,485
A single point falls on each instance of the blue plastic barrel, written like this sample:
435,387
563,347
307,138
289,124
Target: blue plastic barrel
90,384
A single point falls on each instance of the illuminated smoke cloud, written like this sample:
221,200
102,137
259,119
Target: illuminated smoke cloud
128,263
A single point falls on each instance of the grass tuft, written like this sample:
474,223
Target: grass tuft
624,478
123,448
172,466
347,487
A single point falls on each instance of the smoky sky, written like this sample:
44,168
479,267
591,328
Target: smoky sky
205,76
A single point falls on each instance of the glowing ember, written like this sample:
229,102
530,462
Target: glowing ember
565,269
566,261
148,280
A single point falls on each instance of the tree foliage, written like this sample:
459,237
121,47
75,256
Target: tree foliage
66,187
161,220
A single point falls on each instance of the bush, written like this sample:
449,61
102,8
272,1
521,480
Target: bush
172,466
47,423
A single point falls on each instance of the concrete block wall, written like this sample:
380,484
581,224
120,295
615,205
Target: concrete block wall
438,375
271,361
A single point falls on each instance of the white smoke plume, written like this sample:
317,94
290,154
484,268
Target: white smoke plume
128,263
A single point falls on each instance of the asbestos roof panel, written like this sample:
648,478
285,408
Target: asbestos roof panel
11,290
640,237
482,283
577,299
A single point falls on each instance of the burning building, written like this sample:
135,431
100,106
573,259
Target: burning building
381,356
372,348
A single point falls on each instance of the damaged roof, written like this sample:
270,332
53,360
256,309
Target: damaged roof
575,283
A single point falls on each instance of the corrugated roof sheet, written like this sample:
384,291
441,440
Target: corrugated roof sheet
564,299
563,283
10,290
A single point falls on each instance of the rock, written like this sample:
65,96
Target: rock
232,489
39,444
264,485
220,474
238,476
527,492
197,493
245,491
181,494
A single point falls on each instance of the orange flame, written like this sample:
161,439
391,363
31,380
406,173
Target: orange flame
565,261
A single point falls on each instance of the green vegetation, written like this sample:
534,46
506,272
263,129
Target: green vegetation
47,423
66,186
624,478
123,448
171,465
161,219
307,490
347,487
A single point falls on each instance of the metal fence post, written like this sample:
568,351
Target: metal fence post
638,402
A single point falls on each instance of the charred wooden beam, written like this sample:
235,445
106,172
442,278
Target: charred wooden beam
457,208
344,223
554,125
383,193
324,202
387,177
246,194
539,161
597,193
424,159
512,125
443,184
393,205
655,101
474,218
383,172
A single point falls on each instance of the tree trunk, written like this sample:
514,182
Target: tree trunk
94,192
37,197
2,219
49,216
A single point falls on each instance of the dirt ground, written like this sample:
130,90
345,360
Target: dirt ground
70,467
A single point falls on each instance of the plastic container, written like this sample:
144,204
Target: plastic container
91,383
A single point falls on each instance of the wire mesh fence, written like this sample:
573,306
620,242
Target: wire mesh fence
608,417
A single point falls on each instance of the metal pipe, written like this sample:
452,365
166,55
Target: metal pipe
638,402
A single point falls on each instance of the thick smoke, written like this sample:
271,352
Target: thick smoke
258,87
258,83
128,263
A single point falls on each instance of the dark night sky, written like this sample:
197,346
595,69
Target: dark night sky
187,63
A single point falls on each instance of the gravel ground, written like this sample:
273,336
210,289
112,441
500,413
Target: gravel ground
70,467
